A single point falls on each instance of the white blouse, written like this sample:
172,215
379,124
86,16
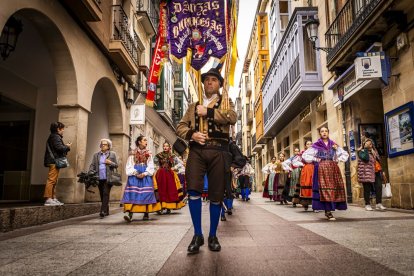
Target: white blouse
179,165
130,170
269,168
295,161
310,155
247,170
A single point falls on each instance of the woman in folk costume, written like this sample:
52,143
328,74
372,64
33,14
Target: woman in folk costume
181,175
139,194
305,195
280,184
328,185
169,186
294,166
269,169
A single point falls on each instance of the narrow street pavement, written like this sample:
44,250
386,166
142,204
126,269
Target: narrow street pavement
261,238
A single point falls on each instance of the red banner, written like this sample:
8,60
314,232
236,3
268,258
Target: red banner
160,53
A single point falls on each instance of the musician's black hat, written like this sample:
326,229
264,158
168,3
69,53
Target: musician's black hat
213,72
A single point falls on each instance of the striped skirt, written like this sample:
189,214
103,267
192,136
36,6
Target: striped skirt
328,191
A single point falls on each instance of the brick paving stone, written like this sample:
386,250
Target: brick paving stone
268,245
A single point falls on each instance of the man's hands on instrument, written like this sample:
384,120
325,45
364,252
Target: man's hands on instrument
201,110
199,137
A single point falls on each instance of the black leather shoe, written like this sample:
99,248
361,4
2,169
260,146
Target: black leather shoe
213,244
101,215
223,219
195,244
230,212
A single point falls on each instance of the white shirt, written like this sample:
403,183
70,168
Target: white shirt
310,155
295,161
207,101
130,170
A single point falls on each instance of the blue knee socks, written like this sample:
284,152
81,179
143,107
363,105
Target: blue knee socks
215,209
230,203
194,203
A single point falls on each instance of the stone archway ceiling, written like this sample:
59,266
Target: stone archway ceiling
63,67
114,105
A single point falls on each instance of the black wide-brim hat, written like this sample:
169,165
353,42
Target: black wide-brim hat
213,72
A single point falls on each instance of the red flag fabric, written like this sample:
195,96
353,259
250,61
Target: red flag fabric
160,53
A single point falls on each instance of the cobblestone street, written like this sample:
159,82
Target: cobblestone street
261,238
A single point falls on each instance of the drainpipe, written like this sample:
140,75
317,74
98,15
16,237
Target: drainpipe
348,162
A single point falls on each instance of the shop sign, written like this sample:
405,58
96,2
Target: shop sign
372,65
352,145
137,115
350,85
399,130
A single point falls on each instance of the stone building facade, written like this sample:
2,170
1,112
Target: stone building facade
82,63
352,108
362,106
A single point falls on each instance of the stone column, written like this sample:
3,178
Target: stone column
75,118
120,144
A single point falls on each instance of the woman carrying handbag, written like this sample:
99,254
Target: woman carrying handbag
370,174
55,153
105,163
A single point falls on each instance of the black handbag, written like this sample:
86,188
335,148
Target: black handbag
115,178
61,162
238,159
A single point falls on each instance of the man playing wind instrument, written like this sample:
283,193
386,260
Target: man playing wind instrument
209,154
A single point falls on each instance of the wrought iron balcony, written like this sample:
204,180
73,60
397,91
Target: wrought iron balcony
248,87
150,12
123,47
250,116
254,140
294,77
239,138
349,20
86,10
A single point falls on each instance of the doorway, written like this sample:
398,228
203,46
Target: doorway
15,147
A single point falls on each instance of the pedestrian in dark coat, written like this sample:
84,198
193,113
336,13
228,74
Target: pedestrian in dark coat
104,163
368,175
58,149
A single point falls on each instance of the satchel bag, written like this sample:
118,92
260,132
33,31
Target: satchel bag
61,162
364,155
238,159
115,178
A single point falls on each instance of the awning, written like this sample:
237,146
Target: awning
340,79
346,86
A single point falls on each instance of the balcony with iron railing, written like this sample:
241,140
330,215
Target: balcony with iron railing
86,10
250,116
254,140
123,47
148,10
349,21
248,87
294,77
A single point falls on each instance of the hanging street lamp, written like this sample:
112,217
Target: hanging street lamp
9,35
312,30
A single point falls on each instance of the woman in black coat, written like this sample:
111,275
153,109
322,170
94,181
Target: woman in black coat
55,148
